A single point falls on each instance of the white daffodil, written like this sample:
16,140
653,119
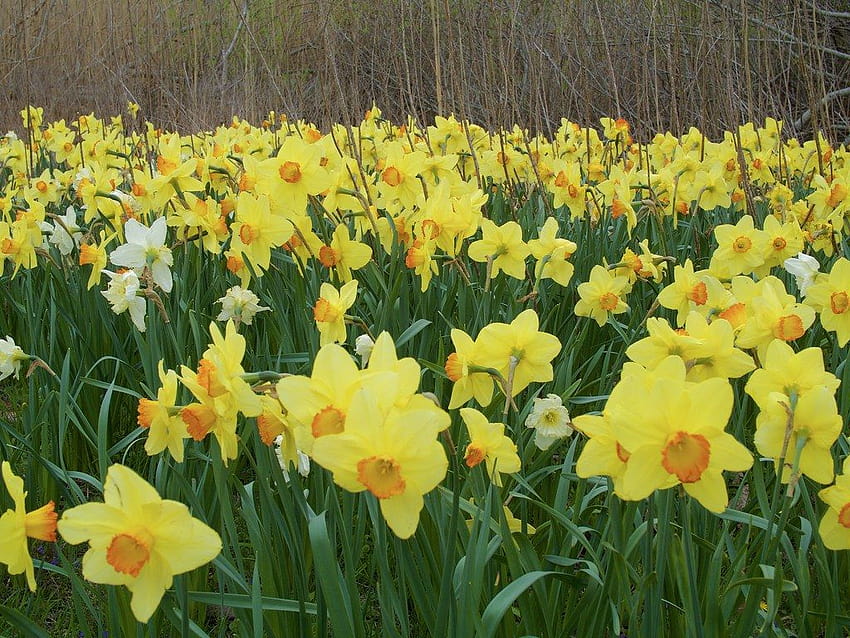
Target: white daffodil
11,357
146,247
303,467
122,294
65,233
240,304
363,347
550,420
805,269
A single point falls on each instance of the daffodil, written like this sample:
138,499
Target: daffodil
344,254
773,314
11,357
137,539
95,254
256,231
688,290
393,454
805,269
673,438
241,305
503,245
834,527
787,372
519,351
488,443
318,405
831,297
162,418
550,421
122,293
420,258
145,248
740,248
783,242
460,369
329,311
16,525
552,254
603,454
363,346
295,173
602,296
809,422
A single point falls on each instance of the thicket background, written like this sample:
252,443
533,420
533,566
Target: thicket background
662,65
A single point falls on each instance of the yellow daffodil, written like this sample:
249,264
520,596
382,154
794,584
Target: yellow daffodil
674,439
603,454
488,443
834,527
831,298
329,311
786,372
460,369
552,254
420,259
814,426
687,291
740,249
602,296
162,418
783,242
256,231
392,453
295,173
95,254
773,314
318,405
519,351
16,525
137,539
344,254
504,246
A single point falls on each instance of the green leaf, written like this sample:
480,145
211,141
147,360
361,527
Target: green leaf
498,607
412,330
330,578
22,623
245,601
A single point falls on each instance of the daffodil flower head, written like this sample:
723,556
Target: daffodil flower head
503,245
550,420
488,443
831,297
239,303
785,371
162,419
467,383
363,346
814,426
329,311
11,357
392,453
137,539
672,438
602,296
122,293
16,525
145,248
834,527
519,351
805,269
